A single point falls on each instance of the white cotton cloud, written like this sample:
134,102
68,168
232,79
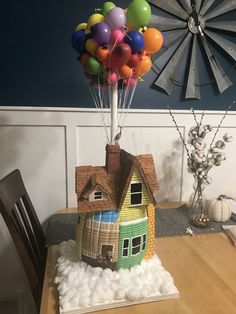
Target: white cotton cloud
82,286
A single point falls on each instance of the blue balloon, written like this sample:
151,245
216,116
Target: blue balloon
78,40
135,40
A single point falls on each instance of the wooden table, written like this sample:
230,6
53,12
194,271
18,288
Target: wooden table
203,268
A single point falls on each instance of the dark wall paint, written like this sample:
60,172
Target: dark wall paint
38,66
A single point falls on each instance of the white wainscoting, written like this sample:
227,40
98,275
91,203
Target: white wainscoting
47,143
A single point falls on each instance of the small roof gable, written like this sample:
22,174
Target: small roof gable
115,185
145,164
87,178
98,182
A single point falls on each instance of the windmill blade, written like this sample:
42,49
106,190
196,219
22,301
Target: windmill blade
193,88
206,5
171,38
170,69
198,5
224,26
165,24
222,80
228,46
224,7
186,5
171,7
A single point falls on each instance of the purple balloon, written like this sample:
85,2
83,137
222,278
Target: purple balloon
101,33
116,18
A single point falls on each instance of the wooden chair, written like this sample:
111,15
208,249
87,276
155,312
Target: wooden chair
23,224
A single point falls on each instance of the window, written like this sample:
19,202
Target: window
136,244
125,251
97,195
136,194
106,216
144,242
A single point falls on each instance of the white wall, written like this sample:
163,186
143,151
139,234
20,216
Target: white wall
46,144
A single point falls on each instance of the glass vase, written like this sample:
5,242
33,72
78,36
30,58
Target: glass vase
198,206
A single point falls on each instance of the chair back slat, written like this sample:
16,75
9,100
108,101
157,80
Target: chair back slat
24,226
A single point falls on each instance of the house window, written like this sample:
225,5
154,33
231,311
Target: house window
136,194
136,245
125,251
108,216
144,242
97,195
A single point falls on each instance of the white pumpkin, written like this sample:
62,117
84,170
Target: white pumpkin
219,209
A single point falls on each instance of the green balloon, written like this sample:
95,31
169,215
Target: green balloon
107,6
138,13
93,67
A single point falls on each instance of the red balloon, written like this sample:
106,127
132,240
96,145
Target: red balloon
120,55
134,60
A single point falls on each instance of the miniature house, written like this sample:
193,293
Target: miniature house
116,210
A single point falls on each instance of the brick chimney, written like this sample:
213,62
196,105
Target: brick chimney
112,158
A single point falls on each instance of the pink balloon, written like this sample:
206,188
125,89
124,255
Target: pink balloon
112,77
131,82
117,37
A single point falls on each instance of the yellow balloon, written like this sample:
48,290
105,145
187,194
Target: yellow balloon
81,26
91,46
94,19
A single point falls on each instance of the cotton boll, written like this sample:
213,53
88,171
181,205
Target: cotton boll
96,271
57,280
146,291
84,301
74,302
116,275
166,288
133,294
65,306
107,273
72,276
94,299
102,296
64,301
114,286
83,265
119,294
63,288
123,272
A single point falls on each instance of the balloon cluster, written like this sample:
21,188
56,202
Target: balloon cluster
115,44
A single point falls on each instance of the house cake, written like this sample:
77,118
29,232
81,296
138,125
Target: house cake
116,205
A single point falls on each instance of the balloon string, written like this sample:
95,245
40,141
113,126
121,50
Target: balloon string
124,102
125,99
100,98
128,107
95,100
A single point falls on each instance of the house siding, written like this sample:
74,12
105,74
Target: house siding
96,234
132,212
151,232
79,235
129,231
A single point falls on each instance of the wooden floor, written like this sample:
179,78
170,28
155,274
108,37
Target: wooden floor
203,268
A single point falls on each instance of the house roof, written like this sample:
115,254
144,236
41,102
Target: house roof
89,178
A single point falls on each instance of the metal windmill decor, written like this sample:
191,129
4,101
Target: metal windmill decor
196,24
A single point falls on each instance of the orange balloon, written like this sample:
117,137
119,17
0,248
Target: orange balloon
143,66
102,54
84,58
125,72
153,40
